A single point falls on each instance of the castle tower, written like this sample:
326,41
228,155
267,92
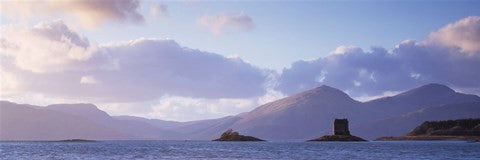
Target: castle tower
340,127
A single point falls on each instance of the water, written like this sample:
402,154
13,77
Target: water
240,150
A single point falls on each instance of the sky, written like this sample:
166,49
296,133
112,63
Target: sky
191,60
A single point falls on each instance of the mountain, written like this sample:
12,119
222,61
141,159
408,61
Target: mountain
71,121
154,122
84,110
301,116
308,114
27,122
134,127
425,96
401,125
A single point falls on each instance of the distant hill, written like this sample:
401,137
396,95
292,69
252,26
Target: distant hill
70,121
308,114
459,127
301,116
154,122
425,96
401,125
25,122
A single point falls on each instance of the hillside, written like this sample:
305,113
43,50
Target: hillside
429,95
71,121
301,116
309,113
401,125
459,127
25,122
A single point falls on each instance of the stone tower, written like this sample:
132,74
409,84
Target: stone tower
340,127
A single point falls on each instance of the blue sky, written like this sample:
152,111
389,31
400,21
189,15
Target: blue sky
285,32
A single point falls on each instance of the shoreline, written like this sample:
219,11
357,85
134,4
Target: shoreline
429,138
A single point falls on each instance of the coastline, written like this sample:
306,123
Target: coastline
429,138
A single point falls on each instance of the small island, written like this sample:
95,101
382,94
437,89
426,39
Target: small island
231,135
460,129
340,133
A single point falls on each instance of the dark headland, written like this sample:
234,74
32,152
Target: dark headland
231,135
460,129
340,133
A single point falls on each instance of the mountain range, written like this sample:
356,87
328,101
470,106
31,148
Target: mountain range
301,116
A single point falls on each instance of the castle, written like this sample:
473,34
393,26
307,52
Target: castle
340,133
340,127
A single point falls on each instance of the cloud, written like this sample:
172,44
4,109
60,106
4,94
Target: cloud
152,77
227,22
44,47
8,81
90,13
366,98
88,80
346,49
180,108
407,65
53,60
188,109
464,34
159,10
176,70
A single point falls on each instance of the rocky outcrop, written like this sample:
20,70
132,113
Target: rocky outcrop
340,133
231,135
460,129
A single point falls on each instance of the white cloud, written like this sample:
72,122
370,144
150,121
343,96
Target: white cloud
464,34
180,108
26,97
188,109
227,22
415,75
346,49
357,83
44,47
88,80
366,98
8,81
90,13
53,60
158,78
270,96
407,65
321,77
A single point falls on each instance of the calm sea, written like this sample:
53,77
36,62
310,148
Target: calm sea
240,150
